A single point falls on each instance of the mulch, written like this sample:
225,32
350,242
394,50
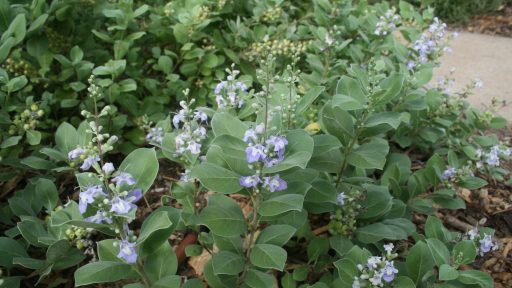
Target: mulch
496,24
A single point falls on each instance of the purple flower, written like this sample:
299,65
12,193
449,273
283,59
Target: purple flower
108,168
155,135
200,115
180,117
250,136
89,161
449,173
486,244
389,248
274,183
373,262
134,196
194,147
389,271
241,86
124,178
493,159
250,181
121,206
127,251
99,218
75,153
340,199
255,153
279,143
220,87
356,283
269,162
88,196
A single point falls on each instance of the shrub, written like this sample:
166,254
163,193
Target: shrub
315,136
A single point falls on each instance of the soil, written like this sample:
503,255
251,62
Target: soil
499,23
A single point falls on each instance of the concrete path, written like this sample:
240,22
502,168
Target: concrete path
488,58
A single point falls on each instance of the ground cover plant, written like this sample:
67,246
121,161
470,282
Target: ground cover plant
285,143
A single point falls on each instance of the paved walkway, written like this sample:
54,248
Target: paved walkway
488,58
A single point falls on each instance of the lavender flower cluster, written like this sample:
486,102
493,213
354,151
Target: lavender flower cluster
429,44
378,270
229,93
485,243
89,156
155,135
113,206
260,153
188,122
485,159
387,23
492,157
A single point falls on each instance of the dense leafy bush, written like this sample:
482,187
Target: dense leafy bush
328,135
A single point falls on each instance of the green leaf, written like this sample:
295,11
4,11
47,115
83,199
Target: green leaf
103,272
258,279
464,252
47,192
9,249
11,141
276,234
337,122
298,152
472,183
308,99
17,29
66,137
280,204
419,261
347,270
229,152
165,64
404,282
161,263
476,277
5,48
346,103
228,263
352,88
33,137
155,231
225,123
107,251
370,155
391,87
268,256
142,164
16,84
172,281
447,273
324,143
340,244
217,178
377,202
30,263
377,231
381,123
439,251
32,230
38,23
434,228
62,255
223,216
317,247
